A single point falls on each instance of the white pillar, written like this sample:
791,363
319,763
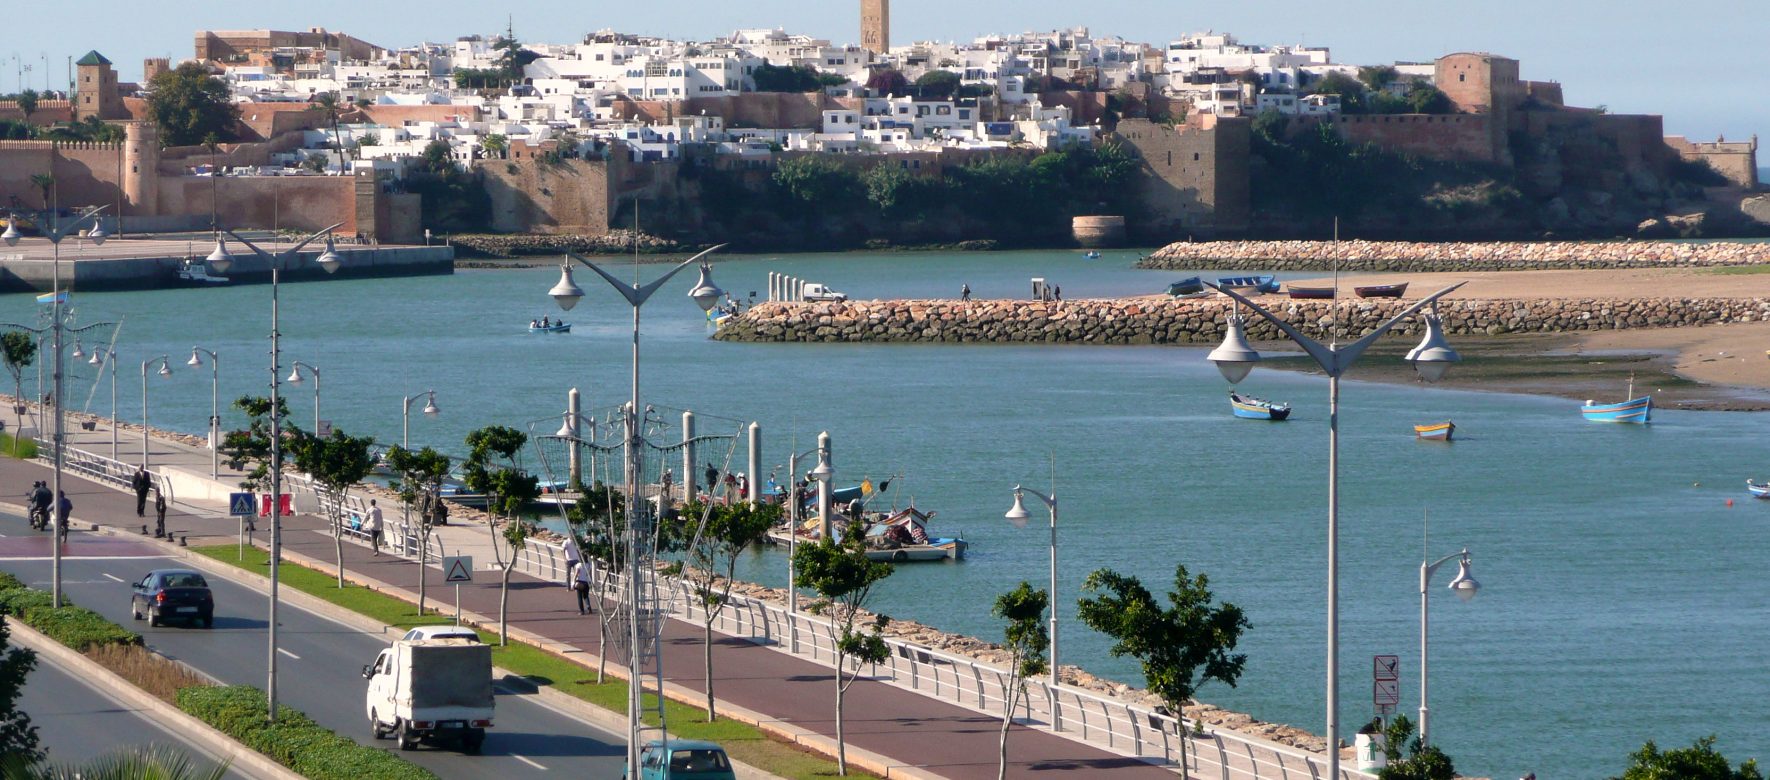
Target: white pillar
751,477
688,460
799,289
823,485
576,467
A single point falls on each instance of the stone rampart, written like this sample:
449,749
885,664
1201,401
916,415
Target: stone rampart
1451,256
1162,320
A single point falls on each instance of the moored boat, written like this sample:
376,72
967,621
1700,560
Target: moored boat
557,327
1758,489
1192,286
1091,255
1263,283
1310,293
1634,410
1382,290
1251,408
1436,431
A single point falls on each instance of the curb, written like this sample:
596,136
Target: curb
112,686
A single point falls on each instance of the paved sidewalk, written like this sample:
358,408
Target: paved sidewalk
911,729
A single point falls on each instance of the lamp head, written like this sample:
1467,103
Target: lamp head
565,428
97,235
1433,356
220,260
1017,514
566,293
294,376
823,472
96,358
329,259
11,235
1464,585
1234,357
196,360
78,353
430,405
165,369
706,294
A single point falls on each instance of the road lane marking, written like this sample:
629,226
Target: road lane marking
529,761
118,579
287,653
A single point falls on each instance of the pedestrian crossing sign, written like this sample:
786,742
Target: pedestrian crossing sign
242,504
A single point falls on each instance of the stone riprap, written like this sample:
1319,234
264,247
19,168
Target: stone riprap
1162,320
521,244
1408,256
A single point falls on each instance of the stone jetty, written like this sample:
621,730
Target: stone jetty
1162,320
1408,256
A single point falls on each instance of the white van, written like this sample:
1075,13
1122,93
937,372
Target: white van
431,690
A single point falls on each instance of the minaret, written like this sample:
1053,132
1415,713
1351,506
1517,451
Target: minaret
875,25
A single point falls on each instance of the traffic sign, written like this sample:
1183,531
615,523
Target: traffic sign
242,504
1386,693
1385,668
457,568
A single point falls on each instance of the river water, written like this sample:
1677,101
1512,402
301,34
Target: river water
1621,597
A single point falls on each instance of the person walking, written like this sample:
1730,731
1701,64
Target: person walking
141,482
571,562
581,585
373,526
159,514
964,292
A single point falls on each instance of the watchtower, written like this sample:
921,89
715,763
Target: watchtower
96,89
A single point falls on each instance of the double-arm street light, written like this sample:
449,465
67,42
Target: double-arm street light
55,232
196,361
1235,358
220,261
1465,587
165,372
99,359
567,293
1018,515
295,378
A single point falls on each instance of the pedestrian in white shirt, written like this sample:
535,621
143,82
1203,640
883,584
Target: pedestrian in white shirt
373,526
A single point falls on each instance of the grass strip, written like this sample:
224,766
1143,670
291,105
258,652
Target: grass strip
13,448
742,741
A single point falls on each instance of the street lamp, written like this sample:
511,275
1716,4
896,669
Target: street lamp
567,293
55,232
196,361
165,372
794,501
823,474
295,378
99,359
1018,515
1235,358
220,260
405,419
1465,587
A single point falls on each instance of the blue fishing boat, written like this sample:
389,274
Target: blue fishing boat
1264,283
1634,410
1192,286
557,327
1091,255
1251,408
1758,489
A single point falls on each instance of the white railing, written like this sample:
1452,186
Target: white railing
100,468
1072,712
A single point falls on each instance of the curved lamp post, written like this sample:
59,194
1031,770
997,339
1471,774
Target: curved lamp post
295,378
1235,358
405,415
1018,515
196,361
567,293
165,372
1465,587
794,501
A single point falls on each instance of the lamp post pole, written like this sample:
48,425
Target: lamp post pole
405,415
1465,587
295,379
567,293
1235,358
220,261
1017,514
794,500
214,405
165,371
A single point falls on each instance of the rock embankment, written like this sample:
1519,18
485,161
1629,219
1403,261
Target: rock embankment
517,245
1452,256
1160,320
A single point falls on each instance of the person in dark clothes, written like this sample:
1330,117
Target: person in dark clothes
159,514
142,483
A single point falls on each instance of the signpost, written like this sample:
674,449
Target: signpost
242,506
1385,683
457,569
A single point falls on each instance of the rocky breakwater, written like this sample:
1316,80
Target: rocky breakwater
1161,320
1406,256
517,245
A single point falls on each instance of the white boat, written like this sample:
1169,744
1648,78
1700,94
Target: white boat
197,272
897,537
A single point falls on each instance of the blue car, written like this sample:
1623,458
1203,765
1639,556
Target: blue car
689,759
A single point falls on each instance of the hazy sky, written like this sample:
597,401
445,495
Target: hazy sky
1703,64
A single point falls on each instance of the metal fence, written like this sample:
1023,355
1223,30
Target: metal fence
101,469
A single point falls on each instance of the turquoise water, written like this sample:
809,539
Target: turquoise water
1621,596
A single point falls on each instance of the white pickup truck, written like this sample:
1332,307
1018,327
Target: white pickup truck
431,690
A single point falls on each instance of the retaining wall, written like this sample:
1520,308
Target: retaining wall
1160,320
1452,256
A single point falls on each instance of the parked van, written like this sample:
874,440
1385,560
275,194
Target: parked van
431,690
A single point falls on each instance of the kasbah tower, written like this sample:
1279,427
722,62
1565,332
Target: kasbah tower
875,25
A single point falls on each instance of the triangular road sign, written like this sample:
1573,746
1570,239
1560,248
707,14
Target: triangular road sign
458,568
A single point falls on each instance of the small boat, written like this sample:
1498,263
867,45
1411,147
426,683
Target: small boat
557,327
1091,255
1436,431
1310,293
1382,290
1634,410
196,272
1758,489
1264,283
1251,408
902,537
1192,286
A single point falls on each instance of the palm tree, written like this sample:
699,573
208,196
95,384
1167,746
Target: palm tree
329,103
44,182
140,762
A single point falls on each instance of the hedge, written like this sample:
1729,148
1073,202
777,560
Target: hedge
77,627
295,741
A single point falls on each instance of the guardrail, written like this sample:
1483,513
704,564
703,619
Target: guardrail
100,468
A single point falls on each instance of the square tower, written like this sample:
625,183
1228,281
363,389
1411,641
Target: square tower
875,25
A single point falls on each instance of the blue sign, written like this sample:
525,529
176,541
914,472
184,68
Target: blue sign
242,504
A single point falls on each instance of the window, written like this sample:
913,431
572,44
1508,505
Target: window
1462,76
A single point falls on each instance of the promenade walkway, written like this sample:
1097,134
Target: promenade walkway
911,733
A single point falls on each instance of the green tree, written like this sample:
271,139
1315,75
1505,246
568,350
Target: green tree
494,467
888,82
1378,76
512,57
1180,647
1423,98
792,78
886,184
495,145
14,130
336,463
139,762
250,446
332,106
1026,640
17,736
314,162
814,184
598,521
369,139
18,349
938,84
1700,761
1350,90
418,478
1410,760
188,103
27,103
724,532
44,183
844,577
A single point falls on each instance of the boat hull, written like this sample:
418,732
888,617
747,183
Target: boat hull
1436,432
1311,293
1190,286
1636,410
934,550
1758,489
567,328
1256,409
1382,291
1265,283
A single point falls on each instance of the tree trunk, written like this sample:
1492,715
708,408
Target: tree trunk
1002,754
841,747
337,530
503,604
423,556
18,405
708,643
601,629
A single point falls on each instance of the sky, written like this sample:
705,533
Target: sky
1702,64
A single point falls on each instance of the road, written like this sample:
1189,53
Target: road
319,671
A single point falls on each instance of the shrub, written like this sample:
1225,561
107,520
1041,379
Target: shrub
9,582
78,627
19,601
294,741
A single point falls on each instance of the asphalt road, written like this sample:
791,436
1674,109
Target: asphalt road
77,722
319,668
